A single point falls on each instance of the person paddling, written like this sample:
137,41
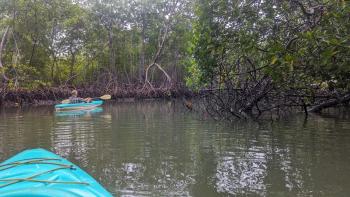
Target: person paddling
75,99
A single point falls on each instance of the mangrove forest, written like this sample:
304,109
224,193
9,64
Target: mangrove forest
239,58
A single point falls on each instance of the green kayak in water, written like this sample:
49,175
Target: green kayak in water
41,173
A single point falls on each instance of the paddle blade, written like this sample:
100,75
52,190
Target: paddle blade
65,101
105,97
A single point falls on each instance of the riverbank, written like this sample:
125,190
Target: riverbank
53,95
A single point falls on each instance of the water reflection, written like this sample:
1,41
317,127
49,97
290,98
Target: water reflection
158,149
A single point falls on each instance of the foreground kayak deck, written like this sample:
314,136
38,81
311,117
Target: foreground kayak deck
41,173
78,106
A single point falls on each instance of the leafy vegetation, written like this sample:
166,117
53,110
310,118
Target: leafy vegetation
290,40
243,52
64,42
260,53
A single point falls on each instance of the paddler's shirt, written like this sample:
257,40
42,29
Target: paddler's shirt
74,99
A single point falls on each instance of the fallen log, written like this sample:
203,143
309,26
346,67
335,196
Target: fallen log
330,103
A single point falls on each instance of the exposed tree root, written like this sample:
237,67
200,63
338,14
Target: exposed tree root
50,96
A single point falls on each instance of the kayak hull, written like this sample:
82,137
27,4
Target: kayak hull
77,113
78,106
41,173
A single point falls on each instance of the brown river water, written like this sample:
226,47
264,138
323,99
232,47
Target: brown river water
157,148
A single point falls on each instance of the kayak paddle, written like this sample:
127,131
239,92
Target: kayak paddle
104,97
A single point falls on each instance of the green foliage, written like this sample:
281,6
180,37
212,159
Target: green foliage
64,42
60,42
292,46
193,80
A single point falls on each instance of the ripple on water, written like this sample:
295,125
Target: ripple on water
155,149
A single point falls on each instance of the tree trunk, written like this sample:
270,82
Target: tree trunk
2,46
32,53
142,58
161,42
111,49
175,74
52,50
72,66
34,38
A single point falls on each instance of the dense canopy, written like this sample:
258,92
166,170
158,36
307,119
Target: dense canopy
254,50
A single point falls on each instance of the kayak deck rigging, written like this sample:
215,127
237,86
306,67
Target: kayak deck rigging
31,178
40,173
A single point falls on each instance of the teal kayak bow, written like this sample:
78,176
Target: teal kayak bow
79,106
41,173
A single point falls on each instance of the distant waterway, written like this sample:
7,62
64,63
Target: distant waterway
158,148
